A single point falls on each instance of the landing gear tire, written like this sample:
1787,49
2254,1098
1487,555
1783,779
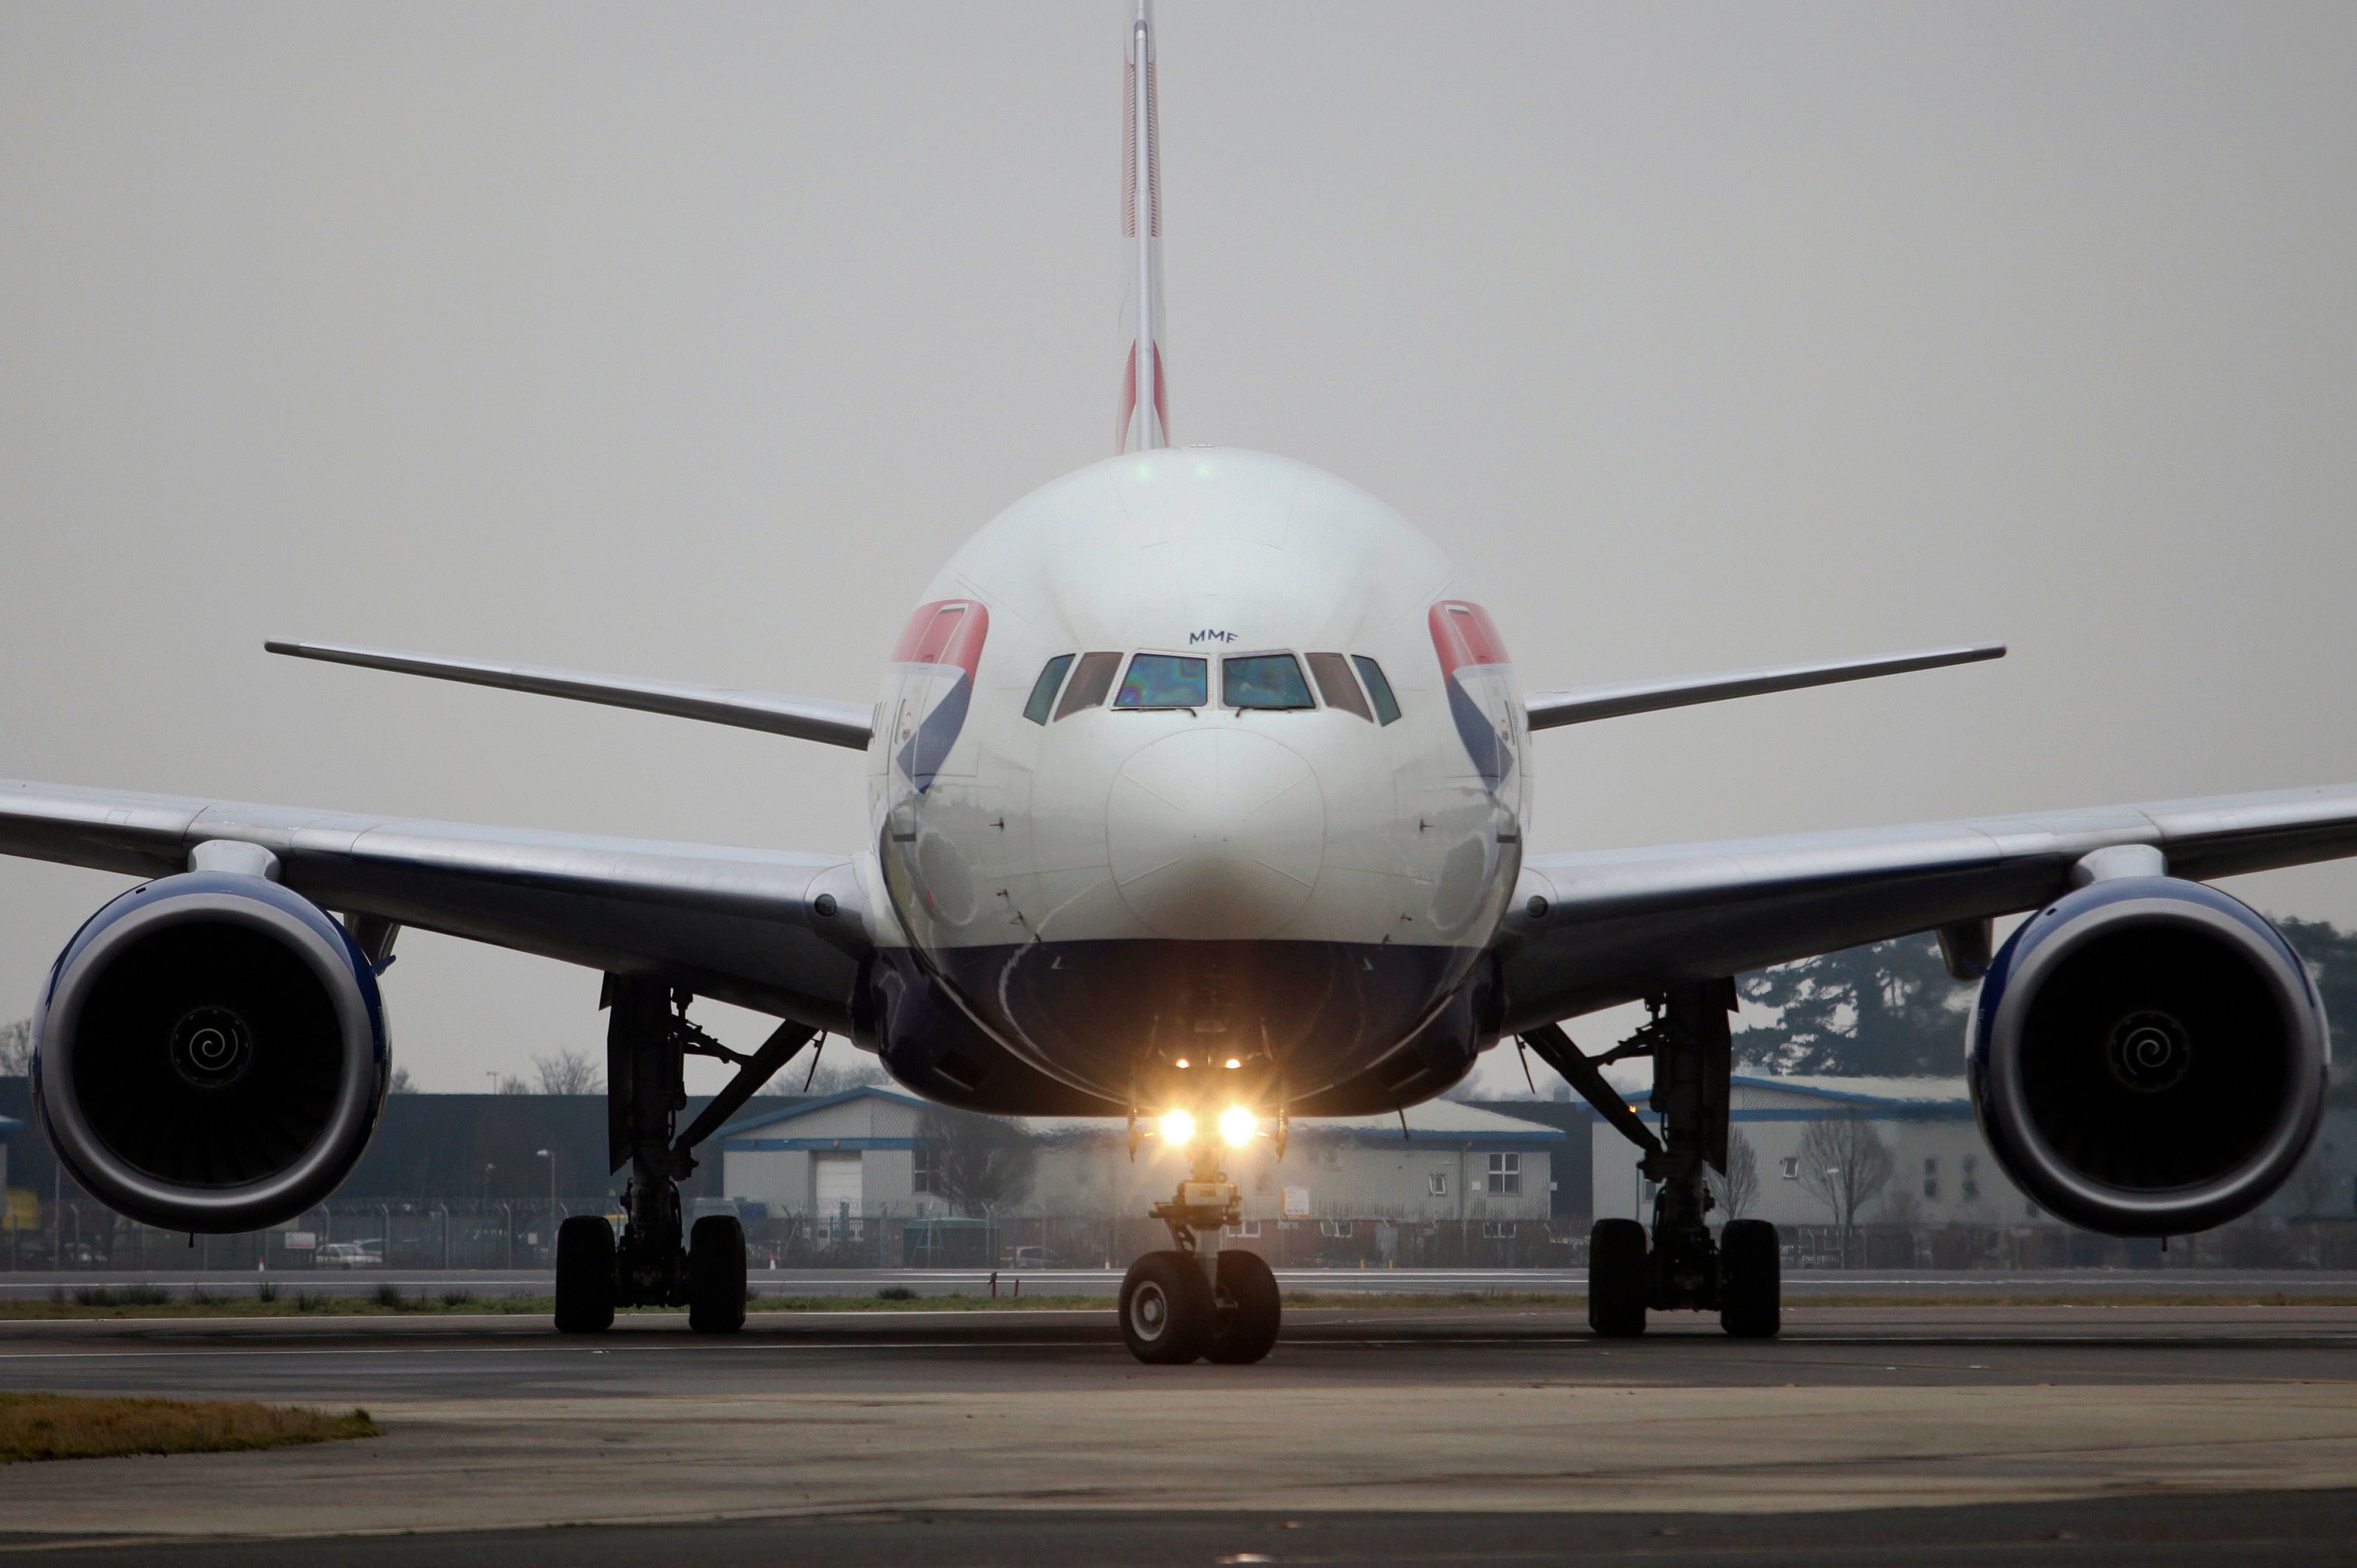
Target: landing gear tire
584,1275
1750,1279
1246,1322
1618,1284
715,1275
1166,1309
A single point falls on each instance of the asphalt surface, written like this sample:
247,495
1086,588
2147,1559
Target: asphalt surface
1977,1435
1990,1282
2244,1529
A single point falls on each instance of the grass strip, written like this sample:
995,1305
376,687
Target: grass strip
63,1426
148,1302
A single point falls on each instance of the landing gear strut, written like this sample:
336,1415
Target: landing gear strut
1737,1274
1193,1300
647,1041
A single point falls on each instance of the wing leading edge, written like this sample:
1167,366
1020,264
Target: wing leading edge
745,926
1593,930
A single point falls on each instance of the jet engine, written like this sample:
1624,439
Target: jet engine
210,1053
2149,1057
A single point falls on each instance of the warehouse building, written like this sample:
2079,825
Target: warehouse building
1940,1171
857,1159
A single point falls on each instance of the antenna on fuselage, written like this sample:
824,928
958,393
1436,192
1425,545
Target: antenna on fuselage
1145,400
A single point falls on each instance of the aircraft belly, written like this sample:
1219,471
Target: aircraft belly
1298,1017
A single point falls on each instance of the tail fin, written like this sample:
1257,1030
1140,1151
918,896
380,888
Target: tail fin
1145,406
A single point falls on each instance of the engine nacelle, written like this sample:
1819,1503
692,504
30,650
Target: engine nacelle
2149,1057
210,1053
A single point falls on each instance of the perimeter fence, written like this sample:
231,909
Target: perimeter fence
501,1233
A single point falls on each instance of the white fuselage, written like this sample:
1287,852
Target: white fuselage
1114,883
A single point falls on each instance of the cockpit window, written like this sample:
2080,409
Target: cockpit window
1386,705
1264,680
1089,683
1043,690
1332,673
1165,680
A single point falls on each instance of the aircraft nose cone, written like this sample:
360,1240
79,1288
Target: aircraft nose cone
1216,832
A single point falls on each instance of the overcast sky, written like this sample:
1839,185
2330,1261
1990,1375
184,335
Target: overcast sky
687,341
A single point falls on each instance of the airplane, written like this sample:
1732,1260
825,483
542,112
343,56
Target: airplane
1198,784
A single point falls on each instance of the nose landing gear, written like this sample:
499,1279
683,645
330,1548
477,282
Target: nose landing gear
1193,1301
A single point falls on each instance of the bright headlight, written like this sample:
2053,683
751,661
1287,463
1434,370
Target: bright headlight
1178,1128
1237,1125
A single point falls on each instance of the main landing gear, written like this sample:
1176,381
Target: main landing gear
1679,1266
648,1042
1193,1301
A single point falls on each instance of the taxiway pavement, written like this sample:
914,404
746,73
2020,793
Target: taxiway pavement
1039,1428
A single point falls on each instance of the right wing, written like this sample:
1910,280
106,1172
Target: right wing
1548,709
1592,929
805,718
780,933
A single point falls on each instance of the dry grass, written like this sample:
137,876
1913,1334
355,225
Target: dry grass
146,1301
60,1426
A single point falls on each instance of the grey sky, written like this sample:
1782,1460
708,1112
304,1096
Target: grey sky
687,341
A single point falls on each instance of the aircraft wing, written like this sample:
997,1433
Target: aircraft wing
805,718
1547,710
739,924
1620,924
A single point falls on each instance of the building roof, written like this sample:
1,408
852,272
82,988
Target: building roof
822,1102
1924,1093
1439,1121
1808,1097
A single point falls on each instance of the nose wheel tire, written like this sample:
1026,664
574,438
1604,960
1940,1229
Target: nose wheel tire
1618,1285
1166,1309
1750,1279
715,1275
1248,1314
584,1275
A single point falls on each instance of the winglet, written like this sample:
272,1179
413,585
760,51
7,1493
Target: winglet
1145,400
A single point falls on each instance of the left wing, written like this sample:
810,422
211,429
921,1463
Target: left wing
1593,930
805,718
777,932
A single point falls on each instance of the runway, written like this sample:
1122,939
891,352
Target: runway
1862,1435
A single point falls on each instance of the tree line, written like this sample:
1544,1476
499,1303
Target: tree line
1890,1010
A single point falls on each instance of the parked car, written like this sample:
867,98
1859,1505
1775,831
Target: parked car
1033,1258
348,1256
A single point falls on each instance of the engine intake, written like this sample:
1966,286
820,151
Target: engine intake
211,1053
2149,1057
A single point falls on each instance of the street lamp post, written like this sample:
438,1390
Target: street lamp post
550,1156
1834,1202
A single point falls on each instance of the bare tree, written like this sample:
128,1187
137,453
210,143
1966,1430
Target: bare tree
980,1163
1738,1188
512,1085
402,1082
568,1072
17,1048
1845,1164
825,1073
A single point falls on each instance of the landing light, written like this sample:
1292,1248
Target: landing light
1182,1062
1233,1063
1178,1128
1237,1126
